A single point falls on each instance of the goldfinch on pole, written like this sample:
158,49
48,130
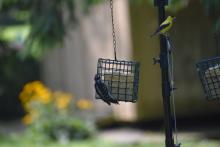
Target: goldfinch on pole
165,26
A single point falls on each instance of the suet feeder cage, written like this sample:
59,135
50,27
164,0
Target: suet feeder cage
209,73
122,78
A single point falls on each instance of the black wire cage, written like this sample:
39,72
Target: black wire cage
209,73
122,78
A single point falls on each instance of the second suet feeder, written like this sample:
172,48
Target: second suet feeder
209,73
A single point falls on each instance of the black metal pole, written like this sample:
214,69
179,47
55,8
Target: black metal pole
166,88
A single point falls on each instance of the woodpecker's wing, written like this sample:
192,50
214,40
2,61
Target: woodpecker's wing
100,90
108,95
161,27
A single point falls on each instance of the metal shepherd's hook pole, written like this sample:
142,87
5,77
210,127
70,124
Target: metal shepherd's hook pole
166,88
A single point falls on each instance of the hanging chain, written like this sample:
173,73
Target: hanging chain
113,28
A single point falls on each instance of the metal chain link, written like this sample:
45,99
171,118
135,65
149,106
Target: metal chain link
113,28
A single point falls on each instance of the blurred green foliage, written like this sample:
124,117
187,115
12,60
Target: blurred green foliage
49,20
22,140
212,8
14,73
55,114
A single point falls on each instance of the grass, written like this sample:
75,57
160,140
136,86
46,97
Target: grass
23,141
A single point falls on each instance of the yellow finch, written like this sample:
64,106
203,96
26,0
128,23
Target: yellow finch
165,26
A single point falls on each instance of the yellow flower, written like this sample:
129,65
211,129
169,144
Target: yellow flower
84,104
43,95
27,119
62,100
30,117
35,91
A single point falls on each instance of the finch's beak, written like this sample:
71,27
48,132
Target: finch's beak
174,18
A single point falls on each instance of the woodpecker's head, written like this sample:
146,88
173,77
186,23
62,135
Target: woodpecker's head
97,77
